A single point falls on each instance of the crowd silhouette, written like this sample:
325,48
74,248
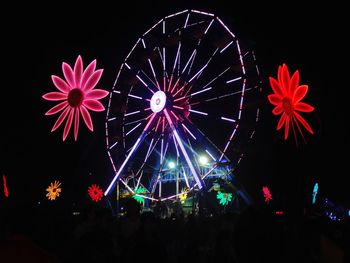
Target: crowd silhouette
256,234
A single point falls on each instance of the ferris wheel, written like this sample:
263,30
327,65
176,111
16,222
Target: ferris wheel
184,102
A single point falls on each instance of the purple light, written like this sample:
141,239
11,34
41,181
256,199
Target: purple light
137,143
183,150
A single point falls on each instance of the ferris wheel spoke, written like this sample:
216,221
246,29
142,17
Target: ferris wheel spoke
151,148
198,74
187,17
228,30
136,121
151,80
161,165
189,61
175,63
228,142
154,74
213,99
136,73
184,152
165,76
132,129
208,140
188,130
132,113
131,95
198,112
228,119
134,148
177,149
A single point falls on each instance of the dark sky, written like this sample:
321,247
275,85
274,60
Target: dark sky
38,41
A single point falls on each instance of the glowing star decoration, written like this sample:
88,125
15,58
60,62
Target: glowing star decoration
224,198
6,190
267,194
183,195
95,192
139,191
287,101
77,94
314,193
53,190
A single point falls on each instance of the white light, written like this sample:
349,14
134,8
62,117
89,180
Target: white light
171,165
210,155
228,119
233,80
203,160
158,101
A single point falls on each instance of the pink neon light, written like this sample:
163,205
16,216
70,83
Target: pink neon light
6,190
158,124
267,194
175,85
177,118
149,122
95,192
287,101
78,95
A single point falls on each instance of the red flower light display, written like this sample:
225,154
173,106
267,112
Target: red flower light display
6,191
287,101
95,192
78,95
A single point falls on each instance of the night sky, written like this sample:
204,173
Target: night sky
303,38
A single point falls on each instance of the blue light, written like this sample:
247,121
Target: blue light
314,193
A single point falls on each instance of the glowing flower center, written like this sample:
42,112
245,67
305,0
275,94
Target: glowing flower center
54,190
75,97
225,195
287,106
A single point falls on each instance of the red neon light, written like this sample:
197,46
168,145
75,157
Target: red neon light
287,101
279,212
78,95
95,192
6,190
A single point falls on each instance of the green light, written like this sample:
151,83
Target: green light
138,194
224,197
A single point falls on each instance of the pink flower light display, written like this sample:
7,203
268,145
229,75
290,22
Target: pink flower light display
77,94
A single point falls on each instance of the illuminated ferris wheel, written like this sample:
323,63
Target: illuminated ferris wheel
184,102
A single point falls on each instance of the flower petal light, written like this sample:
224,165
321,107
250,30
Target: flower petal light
224,198
95,192
286,97
267,194
139,192
53,190
77,94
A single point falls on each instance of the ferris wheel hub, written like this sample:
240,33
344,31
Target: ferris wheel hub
158,101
